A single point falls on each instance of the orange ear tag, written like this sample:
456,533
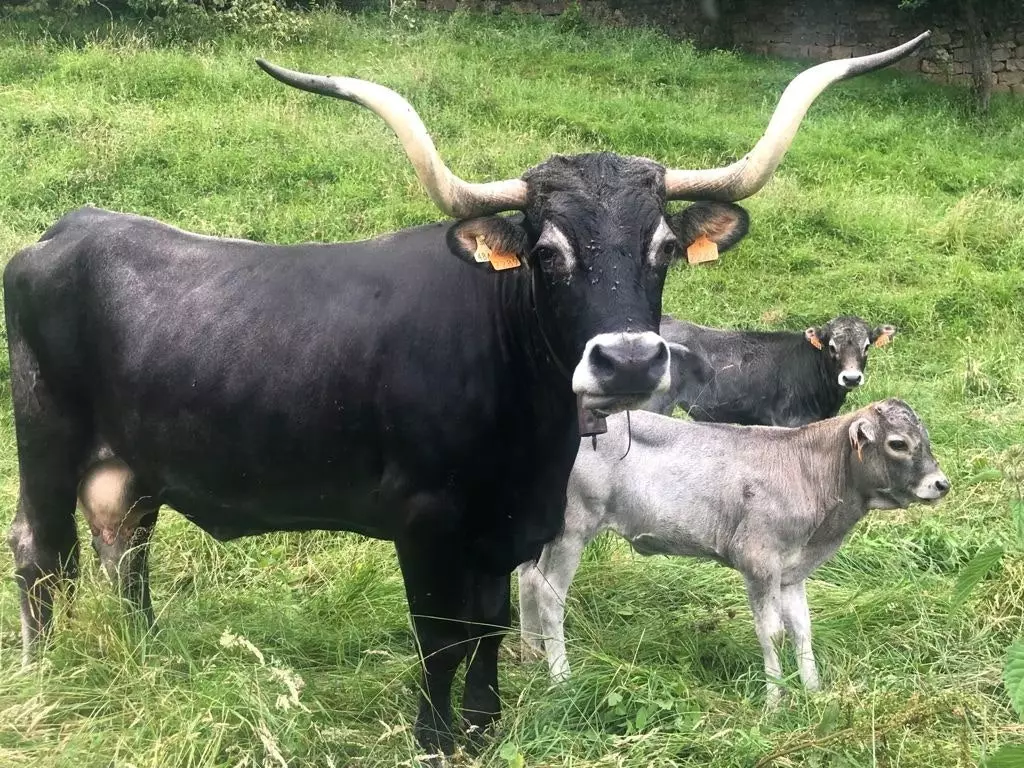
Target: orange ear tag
502,261
815,342
882,340
701,250
498,259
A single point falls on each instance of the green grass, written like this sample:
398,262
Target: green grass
893,203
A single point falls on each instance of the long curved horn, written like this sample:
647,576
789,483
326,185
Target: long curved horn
457,198
751,172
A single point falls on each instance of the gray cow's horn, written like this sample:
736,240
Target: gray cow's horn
748,174
457,198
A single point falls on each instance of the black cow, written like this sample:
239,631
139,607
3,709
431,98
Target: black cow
420,387
774,378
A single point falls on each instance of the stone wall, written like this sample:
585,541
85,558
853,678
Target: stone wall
806,29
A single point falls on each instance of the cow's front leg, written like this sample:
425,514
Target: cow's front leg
481,703
432,560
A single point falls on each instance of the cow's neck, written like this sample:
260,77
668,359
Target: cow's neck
830,398
828,458
530,335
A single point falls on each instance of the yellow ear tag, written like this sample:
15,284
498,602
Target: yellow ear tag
701,250
882,340
483,251
815,342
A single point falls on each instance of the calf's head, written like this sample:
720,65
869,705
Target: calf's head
595,238
845,341
891,463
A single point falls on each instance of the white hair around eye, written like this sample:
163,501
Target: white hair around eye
662,236
553,239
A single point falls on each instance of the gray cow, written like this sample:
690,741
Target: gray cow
774,378
774,503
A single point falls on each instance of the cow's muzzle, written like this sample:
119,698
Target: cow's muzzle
850,378
619,371
933,487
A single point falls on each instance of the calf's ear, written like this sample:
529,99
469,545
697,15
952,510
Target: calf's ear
862,432
493,243
687,366
811,334
724,224
882,335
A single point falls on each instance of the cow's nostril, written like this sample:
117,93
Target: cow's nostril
661,356
942,485
601,363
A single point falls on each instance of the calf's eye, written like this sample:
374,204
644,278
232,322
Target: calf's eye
900,446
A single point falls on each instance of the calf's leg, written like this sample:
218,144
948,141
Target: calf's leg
550,581
530,631
797,617
763,592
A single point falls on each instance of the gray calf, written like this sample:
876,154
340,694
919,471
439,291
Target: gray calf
773,503
774,378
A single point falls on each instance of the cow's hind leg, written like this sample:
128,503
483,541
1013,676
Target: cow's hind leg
432,559
122,519
481,703
133,577
42,537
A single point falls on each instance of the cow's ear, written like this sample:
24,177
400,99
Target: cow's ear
724,224
687,367
882,335
862,432
494,243
811,334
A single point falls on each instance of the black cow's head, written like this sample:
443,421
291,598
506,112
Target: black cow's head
595,236
597,241
845,342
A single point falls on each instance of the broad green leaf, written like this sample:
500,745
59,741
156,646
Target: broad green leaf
1013,676
508,751
984,476
974,573
614,699
1007,756
829,719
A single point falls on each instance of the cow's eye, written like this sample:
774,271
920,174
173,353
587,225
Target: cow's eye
897,445
669,246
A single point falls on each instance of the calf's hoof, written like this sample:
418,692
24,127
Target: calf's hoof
529,652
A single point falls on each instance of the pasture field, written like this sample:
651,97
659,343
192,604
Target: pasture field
295,650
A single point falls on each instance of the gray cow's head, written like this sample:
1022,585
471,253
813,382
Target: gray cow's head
891,462
595,238
845,342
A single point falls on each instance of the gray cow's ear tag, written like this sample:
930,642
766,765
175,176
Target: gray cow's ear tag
590,424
